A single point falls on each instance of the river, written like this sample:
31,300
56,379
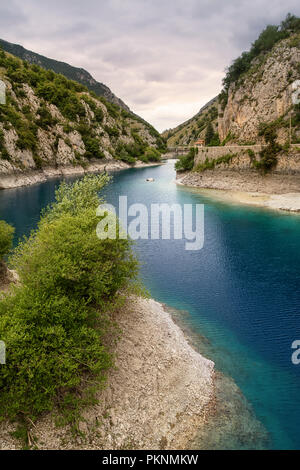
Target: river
241,290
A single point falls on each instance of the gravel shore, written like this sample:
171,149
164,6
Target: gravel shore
281,192
27,178
158,397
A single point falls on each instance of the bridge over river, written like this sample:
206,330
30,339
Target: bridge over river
176,152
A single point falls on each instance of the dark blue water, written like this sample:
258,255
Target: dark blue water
242,289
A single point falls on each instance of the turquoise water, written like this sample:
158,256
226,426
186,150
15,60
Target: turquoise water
241,290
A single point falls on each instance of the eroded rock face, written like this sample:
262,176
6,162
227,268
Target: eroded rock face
46,143
22,159
65,153
264,96
60,142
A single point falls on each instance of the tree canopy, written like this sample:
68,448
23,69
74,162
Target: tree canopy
54,323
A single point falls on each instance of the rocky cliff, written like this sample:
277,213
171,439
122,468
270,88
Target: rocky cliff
252,130
49,122
264,95
260,88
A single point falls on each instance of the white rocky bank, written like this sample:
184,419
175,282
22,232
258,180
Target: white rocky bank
158,397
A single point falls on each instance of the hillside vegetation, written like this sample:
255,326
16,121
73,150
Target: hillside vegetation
257,92
195,128
49,120
57,321
73,73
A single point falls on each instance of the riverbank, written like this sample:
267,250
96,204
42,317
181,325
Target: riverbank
158,396
27,178
162,394
280,192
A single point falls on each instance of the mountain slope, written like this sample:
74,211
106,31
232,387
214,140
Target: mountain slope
258,91
73,73
263,95
194,128
49,121
257,120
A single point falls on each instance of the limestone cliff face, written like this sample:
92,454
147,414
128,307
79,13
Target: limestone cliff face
264,95
62,144
258,124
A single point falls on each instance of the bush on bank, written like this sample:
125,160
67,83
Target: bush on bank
6,240
55,323
186,162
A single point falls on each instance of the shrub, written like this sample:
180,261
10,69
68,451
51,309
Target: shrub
186,162
112,131
251,154
6,238
130,152
92,148
2,140
61,93
211,164
27,137
152,155
45,118
99,115
139,144
268,156
209,134
113,109
38,161
296,116
55,322
126,157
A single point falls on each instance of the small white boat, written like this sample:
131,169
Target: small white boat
150,179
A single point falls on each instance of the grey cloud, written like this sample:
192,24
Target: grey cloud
164,58
11,16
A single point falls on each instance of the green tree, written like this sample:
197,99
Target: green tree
152,155
268,156
55,323
291,23
186,162
6,240
209,135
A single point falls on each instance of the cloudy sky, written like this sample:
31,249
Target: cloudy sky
164,58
